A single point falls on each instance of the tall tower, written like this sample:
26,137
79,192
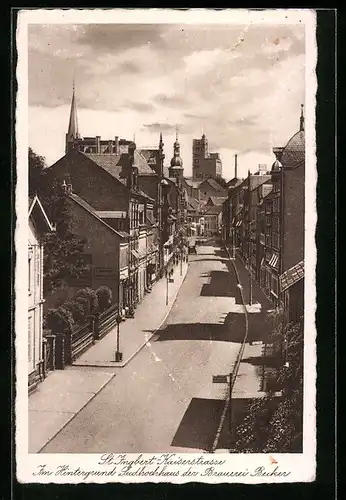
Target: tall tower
73,132
176,169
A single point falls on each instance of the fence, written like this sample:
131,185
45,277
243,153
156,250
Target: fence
106,321
62,349
79,340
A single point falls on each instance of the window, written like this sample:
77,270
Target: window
275,285
30,269
276,205
30,338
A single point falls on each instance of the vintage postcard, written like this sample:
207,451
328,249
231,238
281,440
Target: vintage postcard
165,239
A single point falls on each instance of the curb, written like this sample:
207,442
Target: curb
125,363
237,361
76,413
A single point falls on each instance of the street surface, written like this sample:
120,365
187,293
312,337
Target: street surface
164,400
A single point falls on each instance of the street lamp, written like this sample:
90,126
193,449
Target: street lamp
118,354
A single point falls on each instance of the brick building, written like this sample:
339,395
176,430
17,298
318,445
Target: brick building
282,268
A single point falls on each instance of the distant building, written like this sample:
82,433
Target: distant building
212,220
39,224
204,164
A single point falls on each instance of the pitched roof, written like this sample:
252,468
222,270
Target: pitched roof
192,183
214,184
116,164
234,182
217,200
193,202
150,155
36,210
77,199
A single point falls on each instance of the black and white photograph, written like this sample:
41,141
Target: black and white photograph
166,185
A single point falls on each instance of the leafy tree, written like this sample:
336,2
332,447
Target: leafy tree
91,296
269,427
104,295
62,247
37,173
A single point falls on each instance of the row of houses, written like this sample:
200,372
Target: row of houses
263,223
130,215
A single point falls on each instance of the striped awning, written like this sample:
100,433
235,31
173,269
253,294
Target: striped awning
274,260
291,276
239,223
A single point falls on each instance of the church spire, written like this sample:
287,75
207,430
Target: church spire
302,119
73,132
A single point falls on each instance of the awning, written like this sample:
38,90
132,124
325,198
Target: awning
152,248
291,276
135,254
274,260
239,223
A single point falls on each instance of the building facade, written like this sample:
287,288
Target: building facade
39,224
205,164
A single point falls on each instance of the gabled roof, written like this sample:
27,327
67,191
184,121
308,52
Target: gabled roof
217,200
192,183
150,155
82,203
116,164
37,211
214,184
235,182
193,202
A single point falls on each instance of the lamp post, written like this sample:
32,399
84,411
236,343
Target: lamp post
118,354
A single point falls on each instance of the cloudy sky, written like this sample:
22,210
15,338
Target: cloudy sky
240,85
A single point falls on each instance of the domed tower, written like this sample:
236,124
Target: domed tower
176,169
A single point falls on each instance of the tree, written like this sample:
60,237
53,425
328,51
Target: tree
62,247
282,422
37,176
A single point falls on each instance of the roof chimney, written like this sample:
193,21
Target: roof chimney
110,147
64,186
116,144
236,166
98,144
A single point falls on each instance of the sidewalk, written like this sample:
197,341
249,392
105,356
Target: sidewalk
136,332
65,392
58,399
249,382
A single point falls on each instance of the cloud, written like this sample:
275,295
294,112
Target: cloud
236,83
160,127
170,100
141,107
117,37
